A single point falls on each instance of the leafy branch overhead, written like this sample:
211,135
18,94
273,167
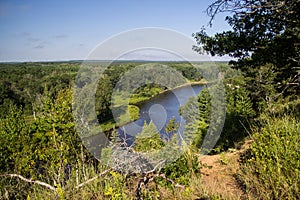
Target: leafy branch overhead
263,32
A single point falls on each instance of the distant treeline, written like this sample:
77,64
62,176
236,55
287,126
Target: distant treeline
24,83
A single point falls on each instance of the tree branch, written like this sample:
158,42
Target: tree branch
172,181
30,181
92,179
50,186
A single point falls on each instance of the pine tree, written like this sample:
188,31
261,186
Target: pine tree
149,139
171,128
204,102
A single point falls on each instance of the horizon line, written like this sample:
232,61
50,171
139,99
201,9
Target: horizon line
93,60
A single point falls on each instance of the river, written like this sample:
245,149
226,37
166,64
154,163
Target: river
160,109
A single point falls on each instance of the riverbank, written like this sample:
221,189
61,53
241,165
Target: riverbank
143,101
133,111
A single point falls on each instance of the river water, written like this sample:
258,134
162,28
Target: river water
160,110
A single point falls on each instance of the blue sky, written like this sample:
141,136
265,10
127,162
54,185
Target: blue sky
38,30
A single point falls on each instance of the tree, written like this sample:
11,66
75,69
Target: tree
239,113
53,134
197,115
172,127
149,139
264,32
44,147
12,128
103,99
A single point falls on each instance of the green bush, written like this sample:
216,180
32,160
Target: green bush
271,168
182,169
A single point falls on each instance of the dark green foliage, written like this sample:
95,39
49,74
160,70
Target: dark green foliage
204,101
197,115
172,127
263,33
262,84
188,71
238,113
12,128
145,92
23,83
103,99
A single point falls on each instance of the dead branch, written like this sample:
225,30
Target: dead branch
147,179
50,186
172,181
92,179
30,181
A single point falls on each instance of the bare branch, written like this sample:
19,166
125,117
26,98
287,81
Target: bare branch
92,179
155,168
172,181
243,7
50,186
212,10
30,181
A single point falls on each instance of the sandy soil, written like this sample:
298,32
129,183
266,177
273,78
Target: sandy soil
218,173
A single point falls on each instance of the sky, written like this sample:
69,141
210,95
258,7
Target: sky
55,30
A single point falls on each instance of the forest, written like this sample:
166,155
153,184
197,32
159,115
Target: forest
42,155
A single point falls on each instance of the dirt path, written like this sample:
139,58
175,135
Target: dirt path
218,175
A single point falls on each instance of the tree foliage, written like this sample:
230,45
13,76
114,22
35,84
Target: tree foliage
263,32
239,112
44,146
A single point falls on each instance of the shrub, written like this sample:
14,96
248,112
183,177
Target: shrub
271,168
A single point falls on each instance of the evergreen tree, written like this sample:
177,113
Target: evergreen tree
149,139
204,102
171,128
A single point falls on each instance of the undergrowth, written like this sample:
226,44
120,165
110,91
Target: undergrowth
271,167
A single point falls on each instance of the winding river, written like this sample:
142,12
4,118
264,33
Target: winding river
160,109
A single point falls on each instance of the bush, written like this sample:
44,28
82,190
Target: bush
271,168
183,169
